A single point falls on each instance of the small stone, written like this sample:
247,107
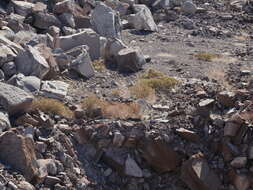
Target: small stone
189,8
239,162
107,172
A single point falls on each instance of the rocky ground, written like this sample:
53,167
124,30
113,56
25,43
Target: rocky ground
126,95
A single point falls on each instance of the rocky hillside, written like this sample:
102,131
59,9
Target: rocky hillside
126,95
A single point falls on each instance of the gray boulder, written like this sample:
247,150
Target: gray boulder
32,63
112,48
19,153
143,19
106,21
86,37
22,8
130,60
83,65
45,20
13,99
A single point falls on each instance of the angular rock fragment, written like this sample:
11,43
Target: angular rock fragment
130,60
13,99
67,19
82,65
6,54
44,20
4,121
27,83
115,158
9,69
22,8
106,21
54,89
160,156
86,37
111,50
132,169
32,63
10,44
18,152
143,19
197,174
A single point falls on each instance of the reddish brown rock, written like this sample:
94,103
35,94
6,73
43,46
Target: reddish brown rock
197,174
160,155
19,152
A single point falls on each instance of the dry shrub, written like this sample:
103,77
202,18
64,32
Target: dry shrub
113,110
52,106
117,110
150,82
160,84
204,56
98,65
151,73
142,90
218,74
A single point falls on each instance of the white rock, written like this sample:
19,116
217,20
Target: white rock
54,89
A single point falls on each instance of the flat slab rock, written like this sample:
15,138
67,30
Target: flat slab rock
54,89
13,99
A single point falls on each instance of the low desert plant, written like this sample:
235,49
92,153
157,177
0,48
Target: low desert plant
113,110
52,106
204,56
141,90
98,65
